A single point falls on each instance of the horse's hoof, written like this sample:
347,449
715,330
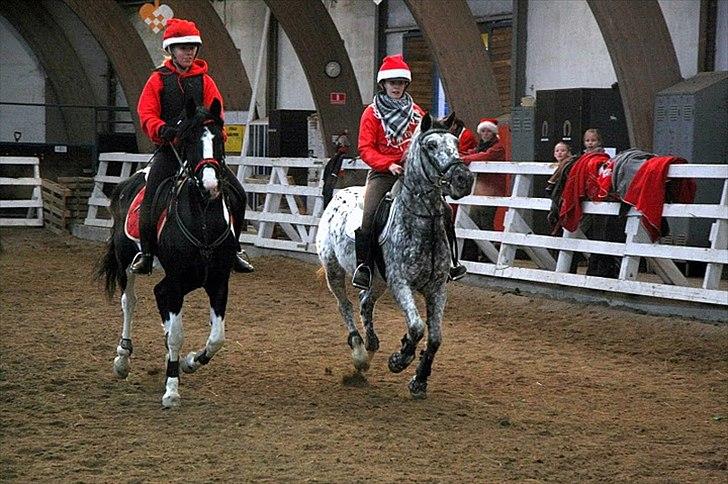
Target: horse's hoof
171,400
359,354
188,363
121,367
417,389
398,362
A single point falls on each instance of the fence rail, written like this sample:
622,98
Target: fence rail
287,219
26,211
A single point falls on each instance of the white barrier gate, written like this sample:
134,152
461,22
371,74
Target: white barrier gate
297,210
33,206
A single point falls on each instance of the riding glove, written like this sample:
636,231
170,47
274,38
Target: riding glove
167,132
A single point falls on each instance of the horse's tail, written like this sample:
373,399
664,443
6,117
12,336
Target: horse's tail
108,267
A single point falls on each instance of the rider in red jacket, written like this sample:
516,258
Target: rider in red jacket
161,105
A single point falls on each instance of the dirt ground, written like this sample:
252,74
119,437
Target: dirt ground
523,388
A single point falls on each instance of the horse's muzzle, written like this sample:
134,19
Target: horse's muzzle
461,182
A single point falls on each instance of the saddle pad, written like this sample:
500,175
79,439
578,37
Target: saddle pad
353,221
131,224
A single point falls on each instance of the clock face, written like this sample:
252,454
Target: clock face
333,69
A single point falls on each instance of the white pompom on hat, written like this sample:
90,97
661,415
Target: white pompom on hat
491,124
179,31
394,67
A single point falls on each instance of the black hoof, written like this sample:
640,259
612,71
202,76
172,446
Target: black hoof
398,362
417,389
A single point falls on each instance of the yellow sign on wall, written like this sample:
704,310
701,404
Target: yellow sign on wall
234,143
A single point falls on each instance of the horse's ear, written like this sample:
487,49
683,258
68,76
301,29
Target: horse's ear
216,108
449,120
426,122
190,108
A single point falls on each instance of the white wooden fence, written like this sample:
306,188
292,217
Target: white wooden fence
26,212
288,218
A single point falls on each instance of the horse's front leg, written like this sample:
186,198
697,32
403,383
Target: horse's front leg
435,309
415,328
124,349
367,300
217,291
169,302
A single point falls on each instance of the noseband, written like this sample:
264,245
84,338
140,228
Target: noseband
442,179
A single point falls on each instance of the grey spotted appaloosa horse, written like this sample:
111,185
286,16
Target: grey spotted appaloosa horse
416,253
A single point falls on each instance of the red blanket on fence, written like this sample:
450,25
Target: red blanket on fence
647,191
583,182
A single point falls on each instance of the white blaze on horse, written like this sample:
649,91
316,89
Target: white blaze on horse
196,246
416,253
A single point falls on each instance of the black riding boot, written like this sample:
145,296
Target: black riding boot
143,261
363,274
457,271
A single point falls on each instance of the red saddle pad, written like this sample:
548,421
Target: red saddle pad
131,226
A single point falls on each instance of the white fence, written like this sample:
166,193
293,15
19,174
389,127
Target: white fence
288,216
26,211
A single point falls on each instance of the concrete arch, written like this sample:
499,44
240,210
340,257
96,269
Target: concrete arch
127,53
454,39
61,64
317,41
643,56
219,51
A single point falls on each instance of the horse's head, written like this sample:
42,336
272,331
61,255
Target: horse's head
434,153
201,138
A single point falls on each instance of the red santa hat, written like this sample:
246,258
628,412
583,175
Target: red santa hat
491,124
394,67
179,31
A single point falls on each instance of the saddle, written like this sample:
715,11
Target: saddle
133,218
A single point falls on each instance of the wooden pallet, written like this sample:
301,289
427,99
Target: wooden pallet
65,202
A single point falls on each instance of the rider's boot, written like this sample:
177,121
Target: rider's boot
143,261
457,270
362,275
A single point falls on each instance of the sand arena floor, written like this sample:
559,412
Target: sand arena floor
523,388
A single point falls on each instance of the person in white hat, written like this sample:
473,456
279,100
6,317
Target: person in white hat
182,76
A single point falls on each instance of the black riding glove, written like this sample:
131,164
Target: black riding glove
167,132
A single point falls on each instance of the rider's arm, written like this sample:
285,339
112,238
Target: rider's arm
150,108
369,128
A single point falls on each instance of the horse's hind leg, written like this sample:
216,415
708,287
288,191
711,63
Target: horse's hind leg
125,348
435,310
218,294
169,302
367,300
336,280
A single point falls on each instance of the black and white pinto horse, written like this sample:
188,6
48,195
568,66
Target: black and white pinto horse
416,253
196,246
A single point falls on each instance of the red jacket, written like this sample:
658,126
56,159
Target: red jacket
496,152
466,141
492,184
374,149
150,104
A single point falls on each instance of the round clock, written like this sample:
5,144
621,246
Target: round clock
333,69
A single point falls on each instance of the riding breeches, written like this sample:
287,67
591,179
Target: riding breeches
378,184
164,165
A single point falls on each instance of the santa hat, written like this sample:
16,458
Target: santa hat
394,67
179,31
491,124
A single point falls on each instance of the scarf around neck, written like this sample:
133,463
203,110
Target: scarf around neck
396,116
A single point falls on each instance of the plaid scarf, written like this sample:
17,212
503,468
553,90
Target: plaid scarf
396,115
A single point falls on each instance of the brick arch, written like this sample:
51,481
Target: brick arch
643,56
454,40
60,63
219,51
317,41
109,24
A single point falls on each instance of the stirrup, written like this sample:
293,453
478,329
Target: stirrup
457,272
241,264
142,263
362,278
